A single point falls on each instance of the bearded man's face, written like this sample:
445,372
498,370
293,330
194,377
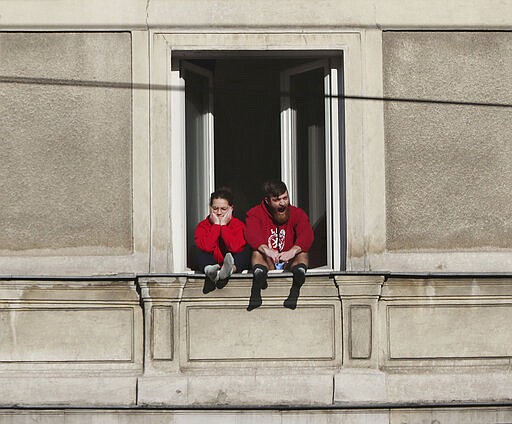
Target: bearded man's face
279,208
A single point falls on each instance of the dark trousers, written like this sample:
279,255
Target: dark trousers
202,258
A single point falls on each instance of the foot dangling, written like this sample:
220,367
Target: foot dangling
259,282
226,271
260,273
299,276
255,300
212,274
291,300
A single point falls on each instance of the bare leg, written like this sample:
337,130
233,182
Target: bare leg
301,258
258,258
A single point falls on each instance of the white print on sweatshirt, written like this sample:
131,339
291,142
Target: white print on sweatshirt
276,239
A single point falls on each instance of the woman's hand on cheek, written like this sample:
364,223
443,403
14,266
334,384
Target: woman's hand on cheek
214,219
227,216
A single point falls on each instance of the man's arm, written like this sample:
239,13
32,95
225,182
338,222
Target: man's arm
254,231
304,235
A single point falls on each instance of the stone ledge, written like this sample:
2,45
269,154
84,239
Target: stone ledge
251,390
68,391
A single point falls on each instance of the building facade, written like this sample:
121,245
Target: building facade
391,127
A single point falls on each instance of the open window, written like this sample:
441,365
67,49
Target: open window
199,143
245,119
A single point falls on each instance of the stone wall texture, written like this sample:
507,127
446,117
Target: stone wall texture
448,168
65,142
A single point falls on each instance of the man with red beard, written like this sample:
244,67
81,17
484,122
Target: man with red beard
280,236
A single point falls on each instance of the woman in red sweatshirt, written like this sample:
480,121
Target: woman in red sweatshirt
220,241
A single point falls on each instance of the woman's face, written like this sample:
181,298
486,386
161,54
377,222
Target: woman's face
219,207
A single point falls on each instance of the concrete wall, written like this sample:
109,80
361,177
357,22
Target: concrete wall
454,416
180,14
74,112
89,193
369,340
447,165
66,143
96,191
362,341
476,415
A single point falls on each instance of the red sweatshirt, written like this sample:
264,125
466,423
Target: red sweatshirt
261,229
208,236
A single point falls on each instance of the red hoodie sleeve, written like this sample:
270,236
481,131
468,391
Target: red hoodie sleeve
303,231
206,235
254,229
233,235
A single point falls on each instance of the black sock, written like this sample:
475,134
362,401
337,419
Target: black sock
220,284
255,300
299,274
259,282
208,286
291,300
259,276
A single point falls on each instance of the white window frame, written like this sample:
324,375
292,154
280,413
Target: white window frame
288,141
332,150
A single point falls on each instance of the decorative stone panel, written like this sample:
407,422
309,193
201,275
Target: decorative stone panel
69,341
66,143
446,322
205,349
217,329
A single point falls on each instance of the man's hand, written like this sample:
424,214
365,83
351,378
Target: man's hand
269,253
288,255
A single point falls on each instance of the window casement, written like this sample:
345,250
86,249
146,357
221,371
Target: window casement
239,120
